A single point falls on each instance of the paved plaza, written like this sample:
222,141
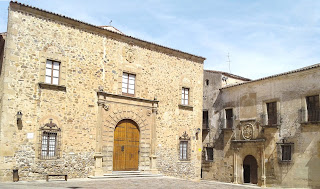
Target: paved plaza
150,183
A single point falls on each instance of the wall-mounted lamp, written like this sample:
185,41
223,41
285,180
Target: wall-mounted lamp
19,116
197,133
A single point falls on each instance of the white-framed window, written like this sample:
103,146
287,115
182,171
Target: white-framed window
52,72
185,96
128,84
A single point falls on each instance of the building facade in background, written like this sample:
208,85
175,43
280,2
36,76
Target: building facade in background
265,131
83,100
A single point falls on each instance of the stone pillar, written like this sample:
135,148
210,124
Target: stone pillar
98,154
153,157
263,167
235,165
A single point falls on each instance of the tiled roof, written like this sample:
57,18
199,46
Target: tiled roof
277,75
97,27
229,75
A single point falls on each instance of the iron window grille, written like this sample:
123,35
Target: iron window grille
185,96
285,151
49,147
128,84
184,147
52,72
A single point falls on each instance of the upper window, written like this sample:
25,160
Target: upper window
286,152
128,84
272,113
185,96
207,82
229,118
313,108
50,134
52,72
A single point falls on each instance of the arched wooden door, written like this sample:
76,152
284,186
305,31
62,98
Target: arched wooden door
126,146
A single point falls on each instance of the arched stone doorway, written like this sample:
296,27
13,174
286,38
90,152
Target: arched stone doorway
250,170
126,146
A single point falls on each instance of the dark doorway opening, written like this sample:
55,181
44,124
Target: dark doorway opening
250,170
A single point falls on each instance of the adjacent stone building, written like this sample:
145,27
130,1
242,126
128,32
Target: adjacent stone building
86,100
264,131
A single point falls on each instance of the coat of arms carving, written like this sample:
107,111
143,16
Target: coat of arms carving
247,132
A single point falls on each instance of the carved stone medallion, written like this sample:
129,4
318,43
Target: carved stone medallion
129,54
247,132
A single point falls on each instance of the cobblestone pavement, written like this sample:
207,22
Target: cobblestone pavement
150,183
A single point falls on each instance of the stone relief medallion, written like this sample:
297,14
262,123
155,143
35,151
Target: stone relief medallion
247,132
129,54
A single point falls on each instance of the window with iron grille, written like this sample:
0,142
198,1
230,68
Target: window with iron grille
229,118
52,72
128,84
50,141
205,120
286,152
209,154
313,109
185,96
183,150
272,113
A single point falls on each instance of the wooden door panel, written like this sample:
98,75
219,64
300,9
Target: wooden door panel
126,147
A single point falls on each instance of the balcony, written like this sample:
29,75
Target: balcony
270,120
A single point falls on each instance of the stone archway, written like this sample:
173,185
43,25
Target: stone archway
126,146
250,170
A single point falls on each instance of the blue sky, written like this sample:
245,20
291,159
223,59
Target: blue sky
263,37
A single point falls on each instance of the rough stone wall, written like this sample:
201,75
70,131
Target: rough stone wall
249,103
89,60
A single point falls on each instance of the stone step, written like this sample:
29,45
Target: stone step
125,174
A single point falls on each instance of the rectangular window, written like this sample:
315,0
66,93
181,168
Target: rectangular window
128,84
49,144
272,113
229,118
52,72
286,152
205,120
209,154
313,108
183,150
185,96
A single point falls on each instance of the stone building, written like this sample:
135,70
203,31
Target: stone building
264,131
86,100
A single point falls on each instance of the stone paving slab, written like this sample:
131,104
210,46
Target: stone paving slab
150,183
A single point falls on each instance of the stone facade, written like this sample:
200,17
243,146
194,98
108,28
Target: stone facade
88,103
252,135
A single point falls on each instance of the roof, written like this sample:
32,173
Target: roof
229,75
277,75
111,28
50,15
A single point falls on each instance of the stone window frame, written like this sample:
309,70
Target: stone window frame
317,110
185,98
225,118
46,130
264,116
184,139
62,74
137,82
303,112
206,154
280,147
190,98
52,69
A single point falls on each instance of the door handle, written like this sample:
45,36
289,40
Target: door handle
122,148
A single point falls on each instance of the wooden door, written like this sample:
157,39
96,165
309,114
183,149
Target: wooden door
126,146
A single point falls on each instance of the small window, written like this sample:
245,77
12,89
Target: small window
272,113
185,96
128,84
209,154
205,120
52,72
286,152
183,150
207,82
229,118
313,108
49,135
